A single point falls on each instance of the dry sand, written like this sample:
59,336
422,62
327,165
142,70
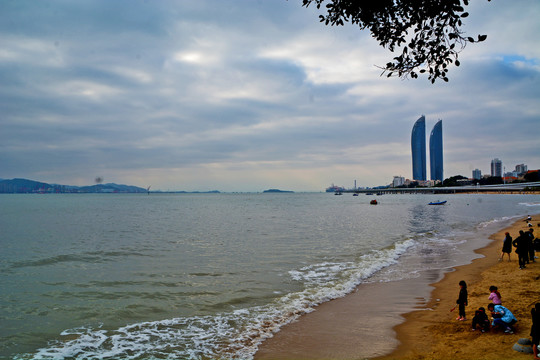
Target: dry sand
432,332
435,334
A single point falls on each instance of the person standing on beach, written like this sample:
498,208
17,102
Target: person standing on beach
531,244
495,295
522,249
507,246
462,300
535,329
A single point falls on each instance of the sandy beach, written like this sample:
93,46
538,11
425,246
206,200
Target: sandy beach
430,332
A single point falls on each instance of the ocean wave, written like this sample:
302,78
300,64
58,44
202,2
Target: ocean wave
86,257
530,203
229,335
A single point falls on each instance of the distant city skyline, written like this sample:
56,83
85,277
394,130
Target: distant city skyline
418,151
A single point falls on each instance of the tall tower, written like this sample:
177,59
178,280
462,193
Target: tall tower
496,167
418,148
436,152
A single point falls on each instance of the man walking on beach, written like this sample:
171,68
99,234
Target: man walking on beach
522,249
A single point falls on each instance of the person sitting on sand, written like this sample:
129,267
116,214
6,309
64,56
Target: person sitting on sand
480,319
528,219
495,295
462,300
502,318
507,246
535,329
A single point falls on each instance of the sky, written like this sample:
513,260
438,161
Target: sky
247,95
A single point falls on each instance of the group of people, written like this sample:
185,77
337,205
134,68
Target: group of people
502,318
526,245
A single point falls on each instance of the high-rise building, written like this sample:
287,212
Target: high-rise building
418,148
436,152
496,167
477,174
520,169
398,181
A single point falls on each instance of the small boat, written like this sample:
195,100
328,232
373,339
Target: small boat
369,193
355,194
338,193
373,202
437,202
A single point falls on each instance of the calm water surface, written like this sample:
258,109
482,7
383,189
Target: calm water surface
207,276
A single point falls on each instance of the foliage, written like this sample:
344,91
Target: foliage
453,181
428,32
532,176
491,180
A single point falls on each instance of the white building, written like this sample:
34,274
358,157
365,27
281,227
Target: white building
398,181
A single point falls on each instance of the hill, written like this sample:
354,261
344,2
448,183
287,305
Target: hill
25,186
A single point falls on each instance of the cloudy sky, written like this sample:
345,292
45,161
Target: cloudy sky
246,95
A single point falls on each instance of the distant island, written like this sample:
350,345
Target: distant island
25,186
277,191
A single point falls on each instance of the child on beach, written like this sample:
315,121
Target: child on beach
502,318
462,300
480,319
495,295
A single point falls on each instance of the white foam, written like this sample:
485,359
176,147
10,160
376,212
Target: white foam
233,335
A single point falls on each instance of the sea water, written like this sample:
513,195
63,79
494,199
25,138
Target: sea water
206,276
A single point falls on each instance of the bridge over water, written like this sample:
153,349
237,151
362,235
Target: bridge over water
512,188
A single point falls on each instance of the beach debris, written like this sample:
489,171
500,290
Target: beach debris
523,345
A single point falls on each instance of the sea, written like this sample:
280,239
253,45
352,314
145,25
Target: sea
211,276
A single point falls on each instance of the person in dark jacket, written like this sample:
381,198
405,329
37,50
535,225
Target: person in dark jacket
462,300
481,320
507,246
522,249
531,244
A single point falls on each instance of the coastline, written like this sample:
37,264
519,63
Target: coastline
430,332
435,334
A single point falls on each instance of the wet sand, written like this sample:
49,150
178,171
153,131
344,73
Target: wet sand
369,323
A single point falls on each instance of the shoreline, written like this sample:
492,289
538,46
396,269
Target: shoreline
334,329
449,338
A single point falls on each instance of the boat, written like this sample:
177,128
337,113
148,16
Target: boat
338,193
369,193
355,194
437,202
373,202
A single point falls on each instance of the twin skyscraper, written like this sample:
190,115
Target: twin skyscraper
418,147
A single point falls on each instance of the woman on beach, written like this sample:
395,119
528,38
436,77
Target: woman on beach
495,295
507,246
462,300
502,317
